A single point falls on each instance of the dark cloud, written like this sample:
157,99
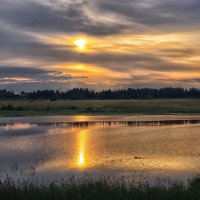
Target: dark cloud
191,80
14,74
132,9
35,16
22,72
72,17
44,85
173,14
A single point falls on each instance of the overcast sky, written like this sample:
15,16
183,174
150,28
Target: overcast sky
129,43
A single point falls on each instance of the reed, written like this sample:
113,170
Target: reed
101,188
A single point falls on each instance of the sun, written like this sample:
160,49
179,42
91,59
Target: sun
80,43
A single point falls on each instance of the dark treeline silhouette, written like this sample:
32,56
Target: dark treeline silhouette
111,123
83,94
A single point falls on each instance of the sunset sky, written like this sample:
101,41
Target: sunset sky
99,44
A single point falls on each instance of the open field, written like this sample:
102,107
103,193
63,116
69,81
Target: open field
98,107
103,188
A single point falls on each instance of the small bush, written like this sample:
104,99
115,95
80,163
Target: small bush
19,108
89,109
8,107
53,99
73,108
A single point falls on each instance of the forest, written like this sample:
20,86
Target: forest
87,94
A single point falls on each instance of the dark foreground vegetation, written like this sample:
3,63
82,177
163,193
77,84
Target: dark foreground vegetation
98,189
86,94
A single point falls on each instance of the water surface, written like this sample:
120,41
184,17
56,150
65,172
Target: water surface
54,147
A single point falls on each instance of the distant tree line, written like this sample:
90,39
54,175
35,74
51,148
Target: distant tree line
83,94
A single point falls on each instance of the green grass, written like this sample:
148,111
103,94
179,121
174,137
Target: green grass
98,107
102,188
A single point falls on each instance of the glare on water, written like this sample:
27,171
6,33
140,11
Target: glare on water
81,153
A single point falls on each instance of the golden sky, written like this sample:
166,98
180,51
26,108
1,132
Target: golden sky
99,44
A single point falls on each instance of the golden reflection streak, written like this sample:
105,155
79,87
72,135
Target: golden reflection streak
81,160
81,157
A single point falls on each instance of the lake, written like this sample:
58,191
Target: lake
141,147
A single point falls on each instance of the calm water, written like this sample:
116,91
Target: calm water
54,147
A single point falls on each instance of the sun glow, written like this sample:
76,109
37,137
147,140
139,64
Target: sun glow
80,43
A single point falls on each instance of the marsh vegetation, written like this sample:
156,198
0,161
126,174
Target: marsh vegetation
101,188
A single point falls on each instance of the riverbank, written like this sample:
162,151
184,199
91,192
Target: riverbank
16,108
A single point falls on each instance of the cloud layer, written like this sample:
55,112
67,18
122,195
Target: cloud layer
130,43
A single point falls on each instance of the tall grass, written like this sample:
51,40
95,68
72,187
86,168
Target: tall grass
102,188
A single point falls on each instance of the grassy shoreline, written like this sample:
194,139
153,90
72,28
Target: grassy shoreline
102,188
20,108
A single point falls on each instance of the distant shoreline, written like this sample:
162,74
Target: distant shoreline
23,108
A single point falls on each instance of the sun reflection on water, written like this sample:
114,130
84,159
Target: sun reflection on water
81,161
